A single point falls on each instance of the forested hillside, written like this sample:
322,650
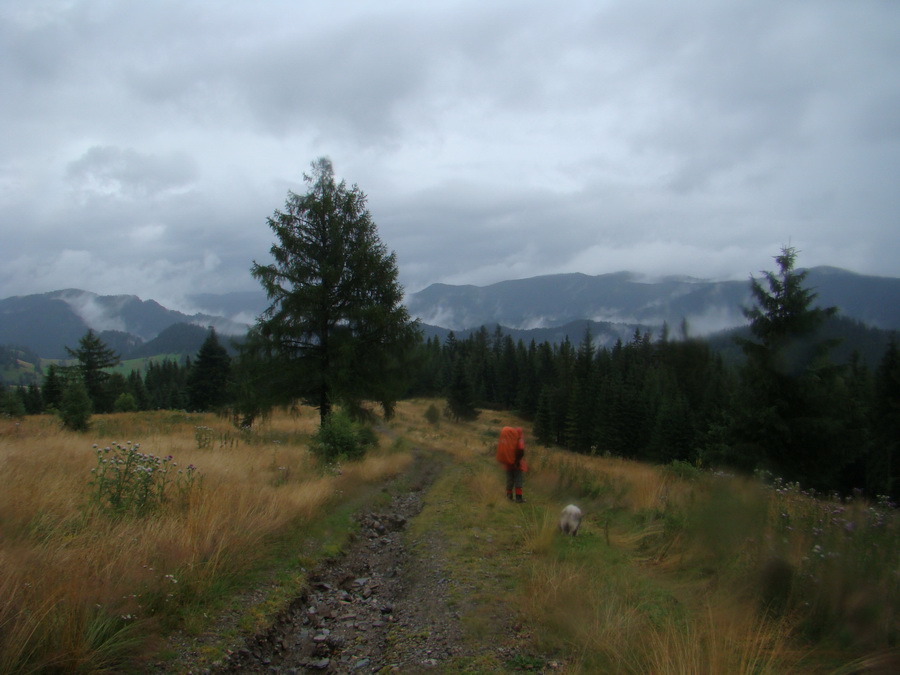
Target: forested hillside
649,397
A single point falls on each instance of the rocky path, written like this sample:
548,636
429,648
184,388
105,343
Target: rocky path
376,609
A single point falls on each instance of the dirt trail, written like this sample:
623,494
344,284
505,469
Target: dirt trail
376,609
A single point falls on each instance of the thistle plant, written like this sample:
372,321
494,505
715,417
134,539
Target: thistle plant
204,437
128,481
845,551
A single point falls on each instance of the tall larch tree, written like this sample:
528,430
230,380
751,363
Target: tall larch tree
335,328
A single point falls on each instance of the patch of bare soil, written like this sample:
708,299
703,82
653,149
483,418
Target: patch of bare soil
378,608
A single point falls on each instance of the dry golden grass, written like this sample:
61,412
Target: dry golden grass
593,615
720,640
70,573
377,467
485,485
463,441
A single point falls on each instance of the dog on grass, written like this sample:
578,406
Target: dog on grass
570,520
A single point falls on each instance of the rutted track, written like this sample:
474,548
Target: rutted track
375,609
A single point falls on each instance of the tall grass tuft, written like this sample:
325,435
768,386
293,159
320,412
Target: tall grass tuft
717,641
538,530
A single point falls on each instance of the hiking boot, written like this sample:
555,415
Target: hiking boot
509,496
520,499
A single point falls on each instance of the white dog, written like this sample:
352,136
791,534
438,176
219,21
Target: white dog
570,520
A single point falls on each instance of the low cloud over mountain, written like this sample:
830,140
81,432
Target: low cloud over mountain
549,307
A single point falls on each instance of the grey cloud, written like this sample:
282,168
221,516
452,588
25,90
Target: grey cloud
145,143
125,171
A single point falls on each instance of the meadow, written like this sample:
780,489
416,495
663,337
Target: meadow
675,570
91,581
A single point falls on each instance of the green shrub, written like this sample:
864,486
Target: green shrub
125,403
11,404
683,470
340,438
433,415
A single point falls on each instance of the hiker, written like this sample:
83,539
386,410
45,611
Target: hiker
511,454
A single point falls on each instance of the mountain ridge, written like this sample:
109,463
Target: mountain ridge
624,297
49,322
552,306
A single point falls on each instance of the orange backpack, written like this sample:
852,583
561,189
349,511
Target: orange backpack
507,445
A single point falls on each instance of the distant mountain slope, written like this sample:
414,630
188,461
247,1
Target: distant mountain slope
624,298
42,323
241,306
561,305
873,300
48,323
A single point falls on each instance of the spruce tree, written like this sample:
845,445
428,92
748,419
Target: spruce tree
580,419
138,390
884,468
789,418
52,389
460,397
34,402
93,358
209,378
544,431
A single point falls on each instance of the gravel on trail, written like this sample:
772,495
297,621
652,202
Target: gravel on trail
377,608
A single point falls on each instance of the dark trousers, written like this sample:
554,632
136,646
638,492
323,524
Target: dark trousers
514,479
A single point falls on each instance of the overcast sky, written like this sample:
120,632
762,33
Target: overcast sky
144,144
